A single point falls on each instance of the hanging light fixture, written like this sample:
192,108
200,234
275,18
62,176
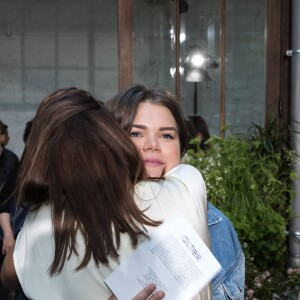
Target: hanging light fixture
196,64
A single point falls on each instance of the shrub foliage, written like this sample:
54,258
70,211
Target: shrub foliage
249,178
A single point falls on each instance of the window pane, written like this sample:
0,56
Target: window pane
200,83
245,63
153,42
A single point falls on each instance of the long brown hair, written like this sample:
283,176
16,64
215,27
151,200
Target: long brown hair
78,160
124,107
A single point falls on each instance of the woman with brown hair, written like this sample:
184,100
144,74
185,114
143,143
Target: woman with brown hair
156,124
78,172
152,117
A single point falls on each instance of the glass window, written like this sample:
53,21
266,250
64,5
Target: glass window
153,43
200,58
245,64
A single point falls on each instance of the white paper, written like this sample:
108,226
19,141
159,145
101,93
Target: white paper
175,259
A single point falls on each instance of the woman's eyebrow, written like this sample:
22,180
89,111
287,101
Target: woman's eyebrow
139,126
167,128
160,129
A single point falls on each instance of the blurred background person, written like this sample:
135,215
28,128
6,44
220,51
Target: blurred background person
198,128
9,163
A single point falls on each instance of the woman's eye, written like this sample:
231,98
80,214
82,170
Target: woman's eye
168,136
135,134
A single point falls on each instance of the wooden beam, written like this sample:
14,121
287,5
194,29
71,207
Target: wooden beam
285,63
125,60
177,49
223,63
273,59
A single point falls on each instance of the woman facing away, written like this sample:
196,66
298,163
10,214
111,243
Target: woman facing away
79,174
156,125
75,175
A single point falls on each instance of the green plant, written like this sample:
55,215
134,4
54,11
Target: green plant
249,179
272,284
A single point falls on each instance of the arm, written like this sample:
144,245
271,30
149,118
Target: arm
193,195
6,198
145,293
192,192
8,273
8,188
8,236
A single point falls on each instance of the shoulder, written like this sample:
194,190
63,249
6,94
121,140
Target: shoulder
37,225
220,228
187,184
182,182
185,173
188,176
10,156
37,221
183,170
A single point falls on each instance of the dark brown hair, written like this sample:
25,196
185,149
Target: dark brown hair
78,160
196,125
27,131
3,128
124,106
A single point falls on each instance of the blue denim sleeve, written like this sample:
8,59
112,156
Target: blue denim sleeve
230,282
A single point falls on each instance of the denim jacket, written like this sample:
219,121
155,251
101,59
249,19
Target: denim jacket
229,283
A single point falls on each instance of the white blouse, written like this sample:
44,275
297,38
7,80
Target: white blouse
183,190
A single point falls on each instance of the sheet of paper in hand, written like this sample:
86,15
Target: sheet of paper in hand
175,259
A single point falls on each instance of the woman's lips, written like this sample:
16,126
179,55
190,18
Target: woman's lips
153,162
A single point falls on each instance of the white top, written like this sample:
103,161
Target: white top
182,190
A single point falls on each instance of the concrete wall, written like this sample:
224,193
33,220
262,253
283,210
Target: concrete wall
47,45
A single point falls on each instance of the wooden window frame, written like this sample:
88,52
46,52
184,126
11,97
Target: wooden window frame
277,66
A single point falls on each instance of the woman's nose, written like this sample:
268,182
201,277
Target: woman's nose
151,143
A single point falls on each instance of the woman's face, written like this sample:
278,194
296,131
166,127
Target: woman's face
4,138
154,132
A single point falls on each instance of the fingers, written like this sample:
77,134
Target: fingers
147,291
157,296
